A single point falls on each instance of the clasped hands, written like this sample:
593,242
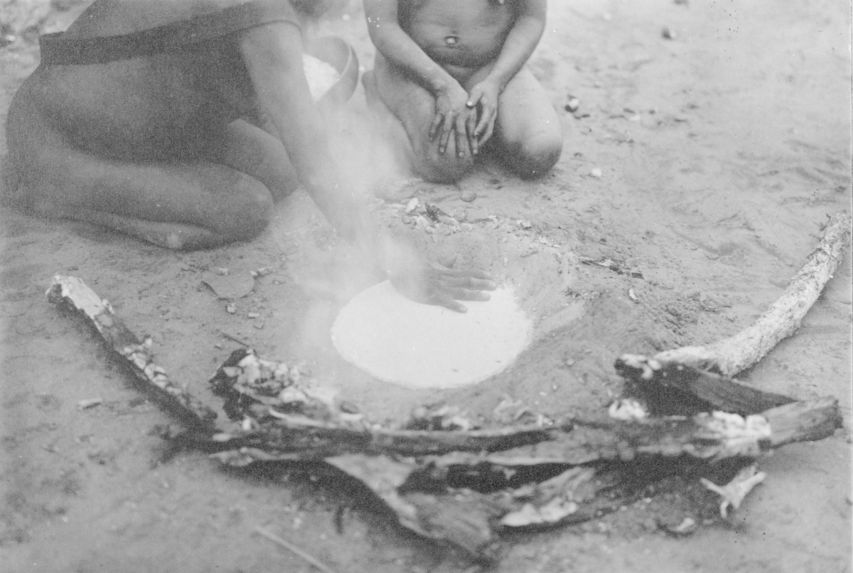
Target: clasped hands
465,119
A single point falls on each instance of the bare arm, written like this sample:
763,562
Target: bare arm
517,49
521,40
273,57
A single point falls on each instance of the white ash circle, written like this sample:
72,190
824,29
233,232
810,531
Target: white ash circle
423,346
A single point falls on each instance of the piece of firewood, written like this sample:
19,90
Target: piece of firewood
309,438
671,388
458,486
73,293
711,436
736,353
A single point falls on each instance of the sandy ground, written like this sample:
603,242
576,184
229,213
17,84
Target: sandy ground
706,161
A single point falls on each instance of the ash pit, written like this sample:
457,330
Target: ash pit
413,345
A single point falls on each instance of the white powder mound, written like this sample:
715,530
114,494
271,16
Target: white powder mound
422,346
321,75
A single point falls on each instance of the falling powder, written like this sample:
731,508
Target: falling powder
423,346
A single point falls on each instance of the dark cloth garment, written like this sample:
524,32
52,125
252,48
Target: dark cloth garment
177,36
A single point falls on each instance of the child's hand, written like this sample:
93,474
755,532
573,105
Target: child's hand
433,283
484,98
453,117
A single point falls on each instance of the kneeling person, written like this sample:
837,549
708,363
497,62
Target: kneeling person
452,72
145,117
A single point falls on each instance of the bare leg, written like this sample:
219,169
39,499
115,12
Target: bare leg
179,205
414,107
255,152
528,134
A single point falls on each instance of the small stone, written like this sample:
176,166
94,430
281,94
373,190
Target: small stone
87,403
468,196
687,526
230,308
596,172
667,34
412,205
348,407
573,104
253,314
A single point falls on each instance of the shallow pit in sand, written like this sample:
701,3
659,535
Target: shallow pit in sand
416,345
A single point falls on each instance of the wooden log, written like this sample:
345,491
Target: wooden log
707,436
466,499
308,438
442,484
744,349
461,518
803,421
670,388
74,294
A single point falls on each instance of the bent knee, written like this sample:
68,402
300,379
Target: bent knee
535,156
247,211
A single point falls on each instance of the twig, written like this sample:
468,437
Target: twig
233,338
293,549
732,355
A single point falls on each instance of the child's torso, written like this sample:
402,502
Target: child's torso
458,33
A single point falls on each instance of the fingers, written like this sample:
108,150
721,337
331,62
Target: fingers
476,97
446,131
463,135
449,298
486,123
471,131
467,294
464,275
467,282
483,138
437,120
449,302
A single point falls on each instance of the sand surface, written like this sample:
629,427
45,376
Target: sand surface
710,142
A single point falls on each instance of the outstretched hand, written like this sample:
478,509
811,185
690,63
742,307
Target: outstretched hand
433,283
